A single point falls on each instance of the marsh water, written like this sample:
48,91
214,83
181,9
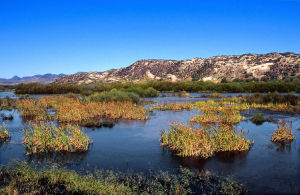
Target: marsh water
135,146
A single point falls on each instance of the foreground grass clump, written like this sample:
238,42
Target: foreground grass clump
229,140
23,179
44,138
4,135
187,141
283,134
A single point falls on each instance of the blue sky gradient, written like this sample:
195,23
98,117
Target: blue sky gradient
69,36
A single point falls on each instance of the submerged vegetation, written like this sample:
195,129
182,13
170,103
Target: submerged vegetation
283,134
187,141
44,138
24,179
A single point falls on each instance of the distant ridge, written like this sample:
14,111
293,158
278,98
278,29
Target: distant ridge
46,78
248,66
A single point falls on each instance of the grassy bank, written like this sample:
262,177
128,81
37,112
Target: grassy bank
23,179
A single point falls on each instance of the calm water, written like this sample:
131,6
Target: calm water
134,145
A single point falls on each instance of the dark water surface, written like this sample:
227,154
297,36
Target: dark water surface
134,145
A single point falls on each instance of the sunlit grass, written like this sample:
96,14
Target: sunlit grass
172,106
225,117
76,110
44,138
4,134
187,141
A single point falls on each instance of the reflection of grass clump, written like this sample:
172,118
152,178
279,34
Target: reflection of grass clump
187,141
26,180
258,119
4,135
283,134
43,138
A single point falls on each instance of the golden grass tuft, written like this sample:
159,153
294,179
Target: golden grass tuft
189,142
44,138
283,134
4,134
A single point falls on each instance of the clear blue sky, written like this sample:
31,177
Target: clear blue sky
68,36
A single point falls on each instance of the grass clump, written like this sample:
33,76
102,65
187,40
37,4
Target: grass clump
230,140
4,134
258,119
187,141
227,116
171,106
23,179
44,138
283,134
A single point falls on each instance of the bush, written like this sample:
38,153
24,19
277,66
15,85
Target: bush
258,119
274,98
114,95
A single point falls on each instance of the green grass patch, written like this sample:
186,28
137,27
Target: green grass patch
23,179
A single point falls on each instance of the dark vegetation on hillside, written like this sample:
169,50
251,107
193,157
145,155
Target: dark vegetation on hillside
148,89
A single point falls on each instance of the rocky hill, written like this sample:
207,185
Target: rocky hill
247,66
46,78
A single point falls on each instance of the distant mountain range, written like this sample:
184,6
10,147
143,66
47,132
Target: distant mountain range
46,78
248,66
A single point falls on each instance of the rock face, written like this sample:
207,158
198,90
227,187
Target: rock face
46,78
247,66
